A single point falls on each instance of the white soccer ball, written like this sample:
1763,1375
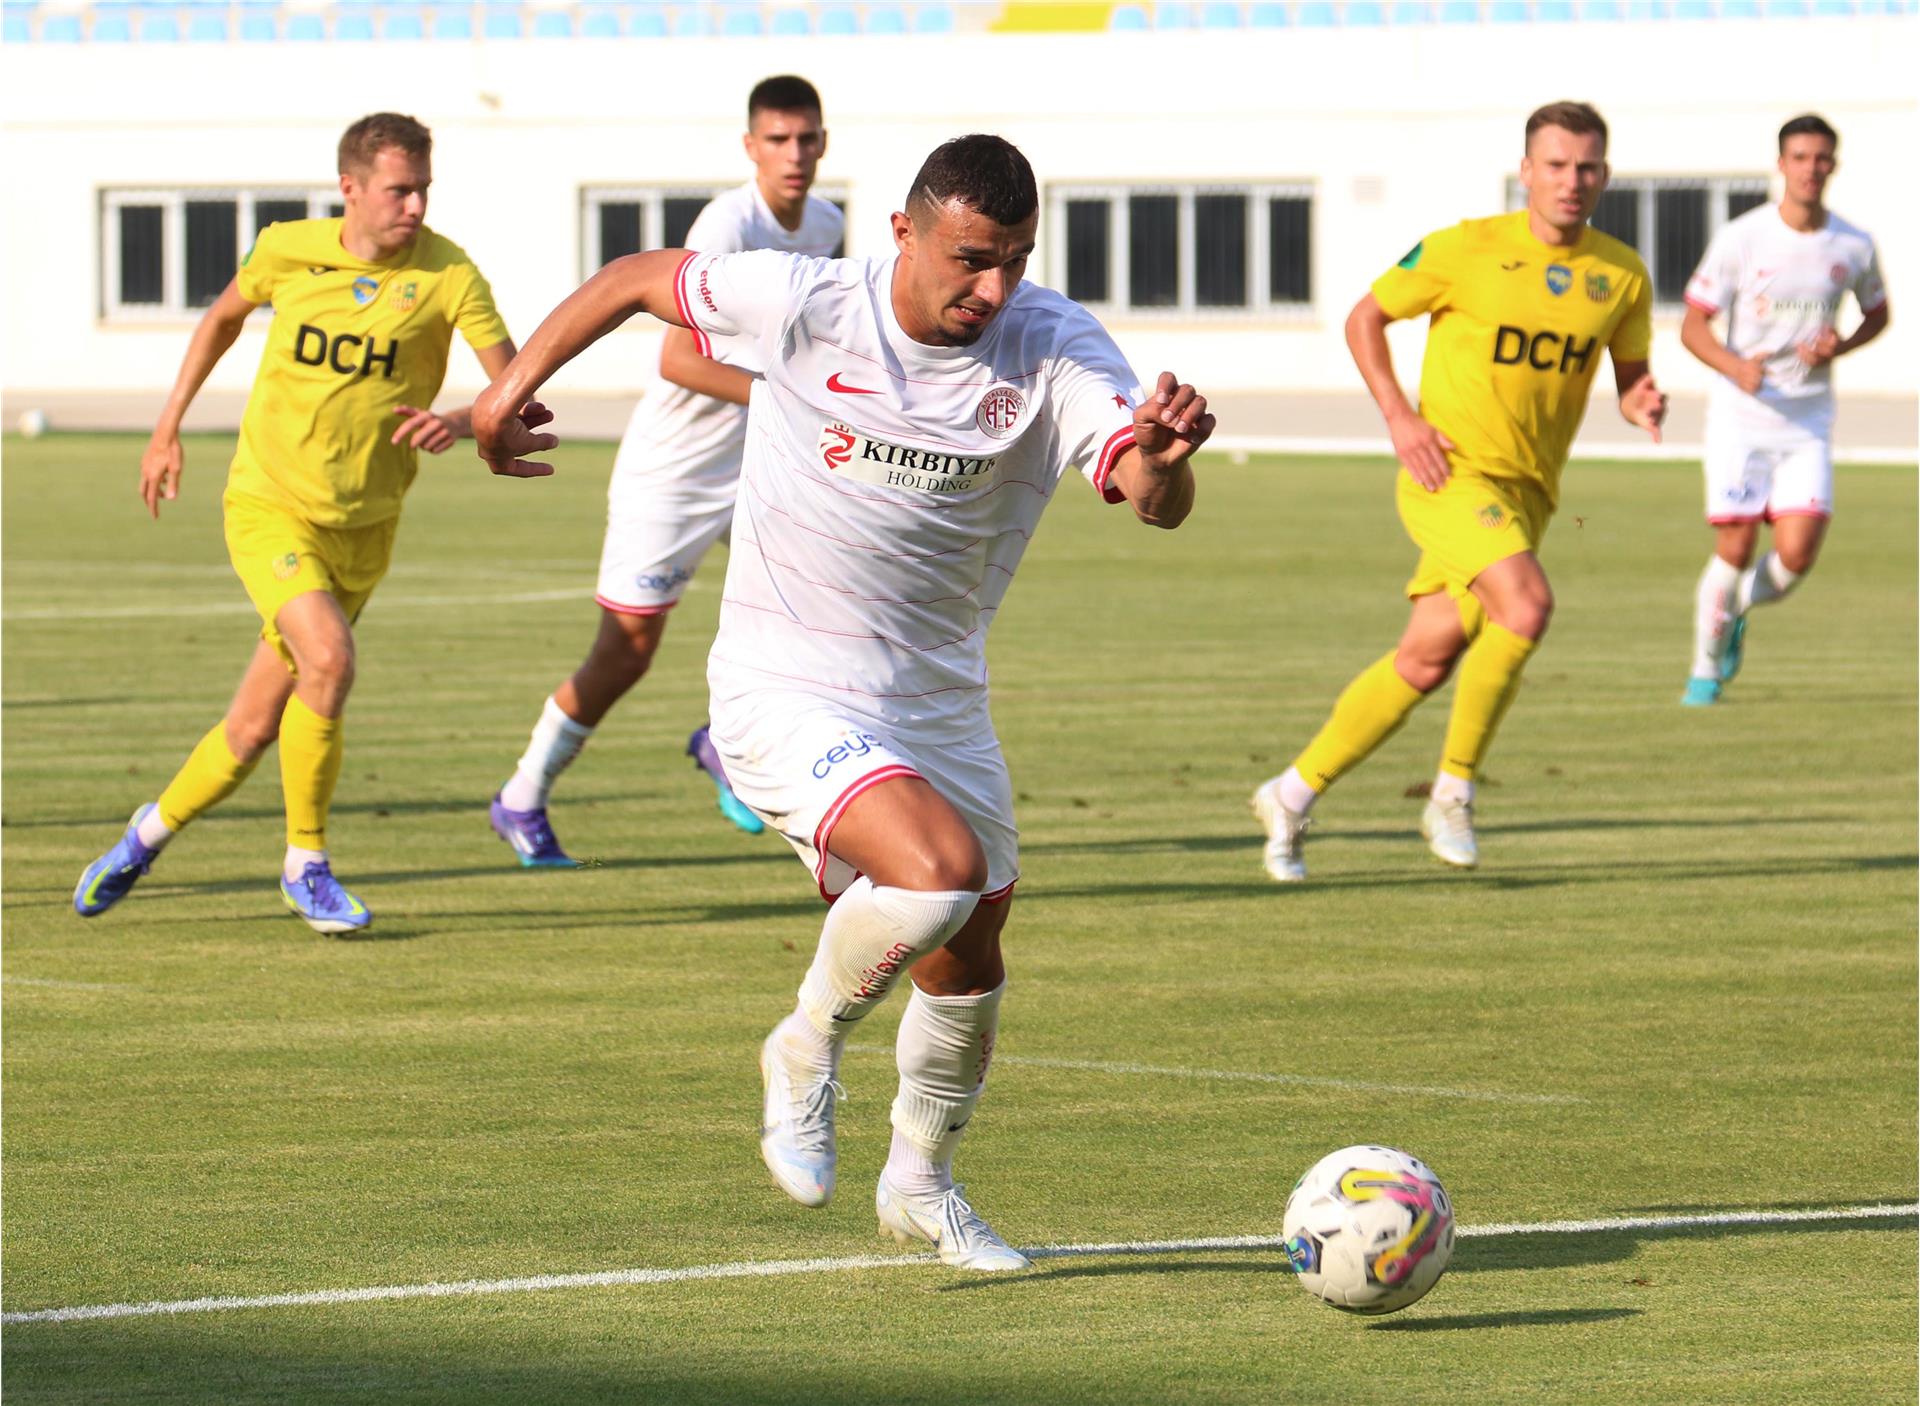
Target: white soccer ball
33,423
1369,1229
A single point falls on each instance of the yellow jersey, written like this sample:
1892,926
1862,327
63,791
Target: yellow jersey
1515,336
350,341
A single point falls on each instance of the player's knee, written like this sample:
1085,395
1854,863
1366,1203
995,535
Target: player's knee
953,864
1797,557
1526,614
1422,669
248,737
328,665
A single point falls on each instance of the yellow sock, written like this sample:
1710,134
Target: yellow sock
211,774
311,748
1489,680
1365,715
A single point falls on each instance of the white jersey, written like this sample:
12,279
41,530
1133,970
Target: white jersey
676,432
1780,287
889,488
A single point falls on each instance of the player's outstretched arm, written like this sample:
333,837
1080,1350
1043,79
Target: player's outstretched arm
219,329
1641,401
426,429
1154,474
1696,335
636,283
1420,448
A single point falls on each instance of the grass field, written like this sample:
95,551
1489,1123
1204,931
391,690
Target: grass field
1683,982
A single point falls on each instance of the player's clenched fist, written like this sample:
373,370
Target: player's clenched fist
1171,423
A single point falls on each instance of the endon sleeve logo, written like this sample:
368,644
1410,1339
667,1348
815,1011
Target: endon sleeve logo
850,454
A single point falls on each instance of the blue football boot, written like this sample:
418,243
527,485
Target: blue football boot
531,836
700,748
1701,693
112,876
316,897
1735,652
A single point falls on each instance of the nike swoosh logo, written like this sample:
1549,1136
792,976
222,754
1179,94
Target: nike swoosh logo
1516,264
835,384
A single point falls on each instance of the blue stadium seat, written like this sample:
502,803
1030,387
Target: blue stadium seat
1739,9
111,29
1693,10
1169,16
403,24
600,22
1364,13
886,19
18,30
1459,12
740,23
60,29
1268,15
306,28
791,22
650,23
452,22
259,29
1553,11
691,24
1412,12
159,29
1833,7
552,24
1787,9
1507,12
1220,16
207,29
1601,10
1647,10
501,24
1127,17
1317,15
839,19
356,29
933,19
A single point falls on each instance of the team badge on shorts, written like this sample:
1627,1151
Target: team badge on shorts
1559,279
287,567
1599,287
1000,412
1492,515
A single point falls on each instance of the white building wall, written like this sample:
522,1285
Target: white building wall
1399,130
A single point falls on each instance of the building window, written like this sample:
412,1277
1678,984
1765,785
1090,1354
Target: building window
168,253
1194,251
1669,220
619,220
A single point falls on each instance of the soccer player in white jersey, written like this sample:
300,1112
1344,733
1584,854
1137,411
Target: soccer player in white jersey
916,415
671,496
1778,273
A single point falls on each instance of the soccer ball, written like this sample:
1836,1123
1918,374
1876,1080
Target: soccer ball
1369,1229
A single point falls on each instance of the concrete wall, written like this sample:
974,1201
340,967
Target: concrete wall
1399,130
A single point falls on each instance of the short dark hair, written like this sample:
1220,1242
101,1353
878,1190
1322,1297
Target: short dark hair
784,92
1809,124
982,172
1581,119
377,131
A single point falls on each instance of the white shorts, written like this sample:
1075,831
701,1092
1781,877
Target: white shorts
659,529
799,763
1759,468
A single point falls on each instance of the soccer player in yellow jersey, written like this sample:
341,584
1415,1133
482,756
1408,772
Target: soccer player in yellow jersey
1520,308
365,308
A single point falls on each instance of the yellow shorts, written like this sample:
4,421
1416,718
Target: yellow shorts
1470,524
279,555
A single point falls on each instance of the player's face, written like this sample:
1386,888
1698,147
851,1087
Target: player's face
387,200
785,148
961,268
1564,173
1808,162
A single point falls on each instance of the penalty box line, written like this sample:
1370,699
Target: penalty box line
769,1269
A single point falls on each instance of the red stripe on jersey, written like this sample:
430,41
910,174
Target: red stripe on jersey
1708,308
1121,440
684,306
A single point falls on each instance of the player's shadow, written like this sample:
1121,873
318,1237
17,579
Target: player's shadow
1255,1262
1547,1249
1516,1318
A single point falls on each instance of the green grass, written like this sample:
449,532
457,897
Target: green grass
1696,927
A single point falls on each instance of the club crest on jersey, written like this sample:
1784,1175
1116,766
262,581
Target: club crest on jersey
1000,412
1838,273
405,295
1599,287
1559,279
934,472
364,290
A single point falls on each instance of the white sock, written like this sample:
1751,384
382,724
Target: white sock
1763,583
943,1052
871,935
805,1049
1712,614
1295,794
1448,787
557,740
298,859
153,831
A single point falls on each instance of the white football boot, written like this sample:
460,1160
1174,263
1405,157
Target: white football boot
796,1127
1448,826
947,1223
1284,857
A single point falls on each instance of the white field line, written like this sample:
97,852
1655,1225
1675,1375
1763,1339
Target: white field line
241,607
1247,1076
770,1269
57,985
